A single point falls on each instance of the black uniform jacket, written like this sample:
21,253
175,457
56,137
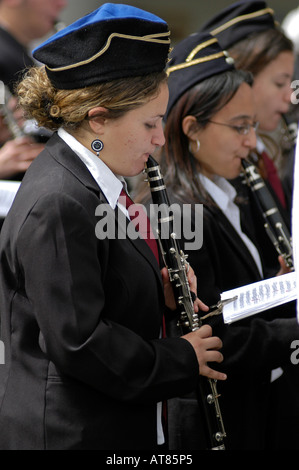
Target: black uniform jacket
251,347
80,321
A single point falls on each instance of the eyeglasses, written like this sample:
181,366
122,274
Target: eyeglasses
242,130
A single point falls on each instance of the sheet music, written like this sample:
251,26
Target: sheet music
295,216
8,190
259,296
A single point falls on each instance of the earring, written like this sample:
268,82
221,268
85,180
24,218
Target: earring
97,145
197,146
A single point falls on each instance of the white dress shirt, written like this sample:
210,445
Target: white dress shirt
223,193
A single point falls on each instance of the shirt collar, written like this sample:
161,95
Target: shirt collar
260,146
220,190
110,184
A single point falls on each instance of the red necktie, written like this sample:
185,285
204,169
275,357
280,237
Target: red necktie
145,231
142,225
273,178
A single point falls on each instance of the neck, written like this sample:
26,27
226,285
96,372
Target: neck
83,136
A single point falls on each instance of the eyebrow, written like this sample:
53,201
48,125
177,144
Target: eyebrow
283,74
243,116
155,118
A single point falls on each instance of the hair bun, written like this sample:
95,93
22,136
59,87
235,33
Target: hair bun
55,111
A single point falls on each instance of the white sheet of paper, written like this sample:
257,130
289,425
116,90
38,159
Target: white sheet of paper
8,190
259,296
295,217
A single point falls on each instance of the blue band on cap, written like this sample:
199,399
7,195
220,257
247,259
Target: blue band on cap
106,12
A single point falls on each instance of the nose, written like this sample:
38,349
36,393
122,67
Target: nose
158,137
250,139
61,4
288,94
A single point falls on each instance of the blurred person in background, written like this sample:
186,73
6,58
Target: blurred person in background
249,31
21,23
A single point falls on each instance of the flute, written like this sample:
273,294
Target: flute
274,223
175,261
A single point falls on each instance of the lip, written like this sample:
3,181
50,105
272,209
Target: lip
281,113
245,156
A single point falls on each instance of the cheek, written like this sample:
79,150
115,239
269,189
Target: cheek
260,98
264,106
267,97
267,114
214,157
127,144
123,141
130,139
213,146
263,91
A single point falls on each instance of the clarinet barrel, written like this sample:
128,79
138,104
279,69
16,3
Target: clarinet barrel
175,261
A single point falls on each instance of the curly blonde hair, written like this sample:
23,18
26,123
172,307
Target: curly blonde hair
53,108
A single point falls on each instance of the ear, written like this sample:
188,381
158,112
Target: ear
189,126
97,119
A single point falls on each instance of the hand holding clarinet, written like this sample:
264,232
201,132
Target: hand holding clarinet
205,345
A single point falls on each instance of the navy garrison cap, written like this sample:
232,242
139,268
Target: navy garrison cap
115,41
192,60
239,20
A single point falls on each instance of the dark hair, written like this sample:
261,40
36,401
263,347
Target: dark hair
257,50
202,101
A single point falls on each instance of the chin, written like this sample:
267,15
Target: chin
270,126
134,172
236,172
234,176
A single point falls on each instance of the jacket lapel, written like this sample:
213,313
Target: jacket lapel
64,155
124,225
234,239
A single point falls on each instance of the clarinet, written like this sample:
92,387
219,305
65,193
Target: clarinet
273,221
8,116
28,129
175,261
